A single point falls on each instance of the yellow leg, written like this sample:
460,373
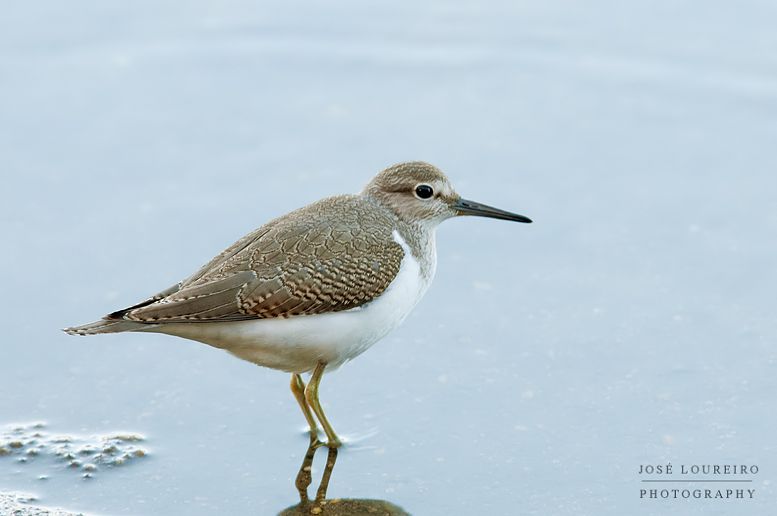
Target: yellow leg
311,395
298,389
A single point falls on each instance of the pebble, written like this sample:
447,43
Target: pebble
29,444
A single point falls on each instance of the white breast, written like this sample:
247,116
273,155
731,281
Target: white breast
298,344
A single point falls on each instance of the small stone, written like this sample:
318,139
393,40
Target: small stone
128,437
28,443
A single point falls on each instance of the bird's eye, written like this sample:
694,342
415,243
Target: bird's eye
424,191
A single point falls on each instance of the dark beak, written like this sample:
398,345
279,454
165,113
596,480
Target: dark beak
465,207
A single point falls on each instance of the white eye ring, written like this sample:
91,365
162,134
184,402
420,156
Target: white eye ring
424,191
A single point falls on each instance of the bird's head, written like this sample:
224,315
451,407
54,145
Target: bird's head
419,192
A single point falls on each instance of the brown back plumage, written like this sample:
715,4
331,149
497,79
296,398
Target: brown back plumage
333,255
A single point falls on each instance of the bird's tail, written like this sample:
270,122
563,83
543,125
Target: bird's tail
108,326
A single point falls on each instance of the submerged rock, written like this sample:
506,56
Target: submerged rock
345,507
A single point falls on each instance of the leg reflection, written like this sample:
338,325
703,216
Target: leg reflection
305,474
323,506
330,466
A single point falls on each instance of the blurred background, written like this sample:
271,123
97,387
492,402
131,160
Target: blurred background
633,323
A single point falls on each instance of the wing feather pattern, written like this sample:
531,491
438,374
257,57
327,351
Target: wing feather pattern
333,255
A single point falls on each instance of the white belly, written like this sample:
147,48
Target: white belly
299,343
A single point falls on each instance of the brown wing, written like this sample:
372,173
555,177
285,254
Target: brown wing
330,256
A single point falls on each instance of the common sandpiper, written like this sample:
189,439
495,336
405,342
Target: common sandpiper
312,289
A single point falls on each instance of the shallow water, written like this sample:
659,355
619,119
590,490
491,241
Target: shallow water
632,324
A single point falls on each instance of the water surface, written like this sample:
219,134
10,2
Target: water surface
632,324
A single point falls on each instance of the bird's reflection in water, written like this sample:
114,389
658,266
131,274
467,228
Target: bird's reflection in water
336,507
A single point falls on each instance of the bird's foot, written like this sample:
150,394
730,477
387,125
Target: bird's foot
334,443
331,443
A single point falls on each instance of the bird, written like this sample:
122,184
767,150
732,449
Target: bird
313,289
